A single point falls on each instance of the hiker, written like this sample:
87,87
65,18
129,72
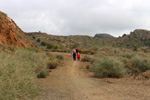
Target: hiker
77,50
78,56
74,55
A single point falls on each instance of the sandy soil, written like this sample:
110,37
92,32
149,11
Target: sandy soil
72,81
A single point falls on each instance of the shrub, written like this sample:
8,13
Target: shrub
60,57
43,43
49,46
86,59
56,47
33,37
52,64
135,48
108,67
140,62
38,40
42,74
115,51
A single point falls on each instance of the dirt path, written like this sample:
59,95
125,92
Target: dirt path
73,82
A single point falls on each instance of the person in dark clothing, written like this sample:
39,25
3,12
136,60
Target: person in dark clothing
77,50
74,56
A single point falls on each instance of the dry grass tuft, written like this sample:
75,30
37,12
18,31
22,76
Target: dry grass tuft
18,74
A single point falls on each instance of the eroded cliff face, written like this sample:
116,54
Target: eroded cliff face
11,34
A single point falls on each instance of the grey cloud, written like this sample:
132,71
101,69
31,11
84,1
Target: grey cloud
87,17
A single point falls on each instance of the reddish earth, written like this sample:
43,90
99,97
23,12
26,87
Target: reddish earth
72,81
11,34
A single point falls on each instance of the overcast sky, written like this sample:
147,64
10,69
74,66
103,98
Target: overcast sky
79,17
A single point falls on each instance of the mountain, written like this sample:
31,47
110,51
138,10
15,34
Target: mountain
11,34
103,35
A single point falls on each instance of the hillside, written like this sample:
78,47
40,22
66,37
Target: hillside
11,34
68,43
138,37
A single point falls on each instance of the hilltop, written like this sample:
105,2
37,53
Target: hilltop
138,37
104,35
11,34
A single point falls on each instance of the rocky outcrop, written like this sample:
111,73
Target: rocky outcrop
11,34
103,35
140,34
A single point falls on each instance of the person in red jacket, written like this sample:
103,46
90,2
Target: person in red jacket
78,56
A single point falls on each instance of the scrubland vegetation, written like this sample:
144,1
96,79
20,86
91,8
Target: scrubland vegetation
20,68
114,57
18,73
118,62
85,44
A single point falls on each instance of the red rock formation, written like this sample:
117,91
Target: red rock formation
11,34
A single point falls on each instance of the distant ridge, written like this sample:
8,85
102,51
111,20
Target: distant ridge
104,35
35,33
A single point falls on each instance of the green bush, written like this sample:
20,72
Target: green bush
49,46
135,48
38,40
108,67
56,47
140,62
43,43
33,37
59,56
52,64
42,74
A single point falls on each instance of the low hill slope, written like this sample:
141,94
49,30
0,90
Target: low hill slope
138,38
11,34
